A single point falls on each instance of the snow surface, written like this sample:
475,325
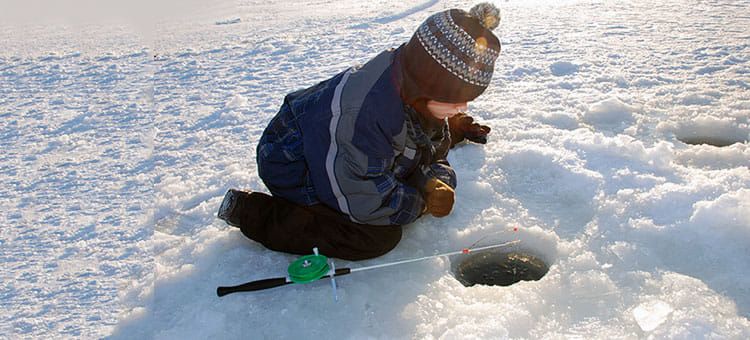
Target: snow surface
123,125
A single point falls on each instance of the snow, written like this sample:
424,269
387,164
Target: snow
619,154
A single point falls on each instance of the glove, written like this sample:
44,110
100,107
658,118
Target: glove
439,197
462,127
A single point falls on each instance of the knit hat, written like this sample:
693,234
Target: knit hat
451,56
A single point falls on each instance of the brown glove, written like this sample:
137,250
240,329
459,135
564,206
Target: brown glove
439,197
462,127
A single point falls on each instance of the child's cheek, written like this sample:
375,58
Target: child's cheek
440,114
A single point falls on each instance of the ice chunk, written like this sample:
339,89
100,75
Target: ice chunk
651,314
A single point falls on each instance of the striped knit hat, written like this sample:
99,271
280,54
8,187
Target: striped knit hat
452,55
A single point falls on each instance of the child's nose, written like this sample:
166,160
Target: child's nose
462,107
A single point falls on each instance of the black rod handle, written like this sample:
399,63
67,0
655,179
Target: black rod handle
252,286
342,271
266,284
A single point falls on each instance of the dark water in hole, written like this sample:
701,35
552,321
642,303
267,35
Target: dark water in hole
715,141
498,268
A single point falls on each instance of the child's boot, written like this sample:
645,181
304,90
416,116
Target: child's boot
229,206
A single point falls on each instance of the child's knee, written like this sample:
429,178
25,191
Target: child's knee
379,244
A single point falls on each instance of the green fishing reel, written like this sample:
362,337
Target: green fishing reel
308,268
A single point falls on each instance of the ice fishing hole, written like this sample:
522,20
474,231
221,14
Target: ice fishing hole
714,141
711,131
498,268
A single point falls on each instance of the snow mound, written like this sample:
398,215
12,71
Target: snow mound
228,21
610,112
698,99
546,185
558,119
237,101
727,216
710,157
563,68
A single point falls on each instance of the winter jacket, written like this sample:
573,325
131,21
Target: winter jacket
350,143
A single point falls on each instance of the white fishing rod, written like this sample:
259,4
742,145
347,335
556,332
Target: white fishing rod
314,267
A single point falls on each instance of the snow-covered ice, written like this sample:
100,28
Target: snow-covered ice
620,151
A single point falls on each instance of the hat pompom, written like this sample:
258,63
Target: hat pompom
487,14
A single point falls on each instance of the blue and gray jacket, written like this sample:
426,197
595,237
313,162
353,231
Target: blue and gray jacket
350,143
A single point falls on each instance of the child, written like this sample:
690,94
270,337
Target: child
353,158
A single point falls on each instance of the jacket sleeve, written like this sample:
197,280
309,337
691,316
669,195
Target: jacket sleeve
438,168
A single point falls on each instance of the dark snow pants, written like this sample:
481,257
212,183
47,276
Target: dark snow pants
284,226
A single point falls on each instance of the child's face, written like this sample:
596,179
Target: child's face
442,110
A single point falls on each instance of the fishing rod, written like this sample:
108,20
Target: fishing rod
310,268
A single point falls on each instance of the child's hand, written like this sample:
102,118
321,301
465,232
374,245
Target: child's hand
439,197
462,127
